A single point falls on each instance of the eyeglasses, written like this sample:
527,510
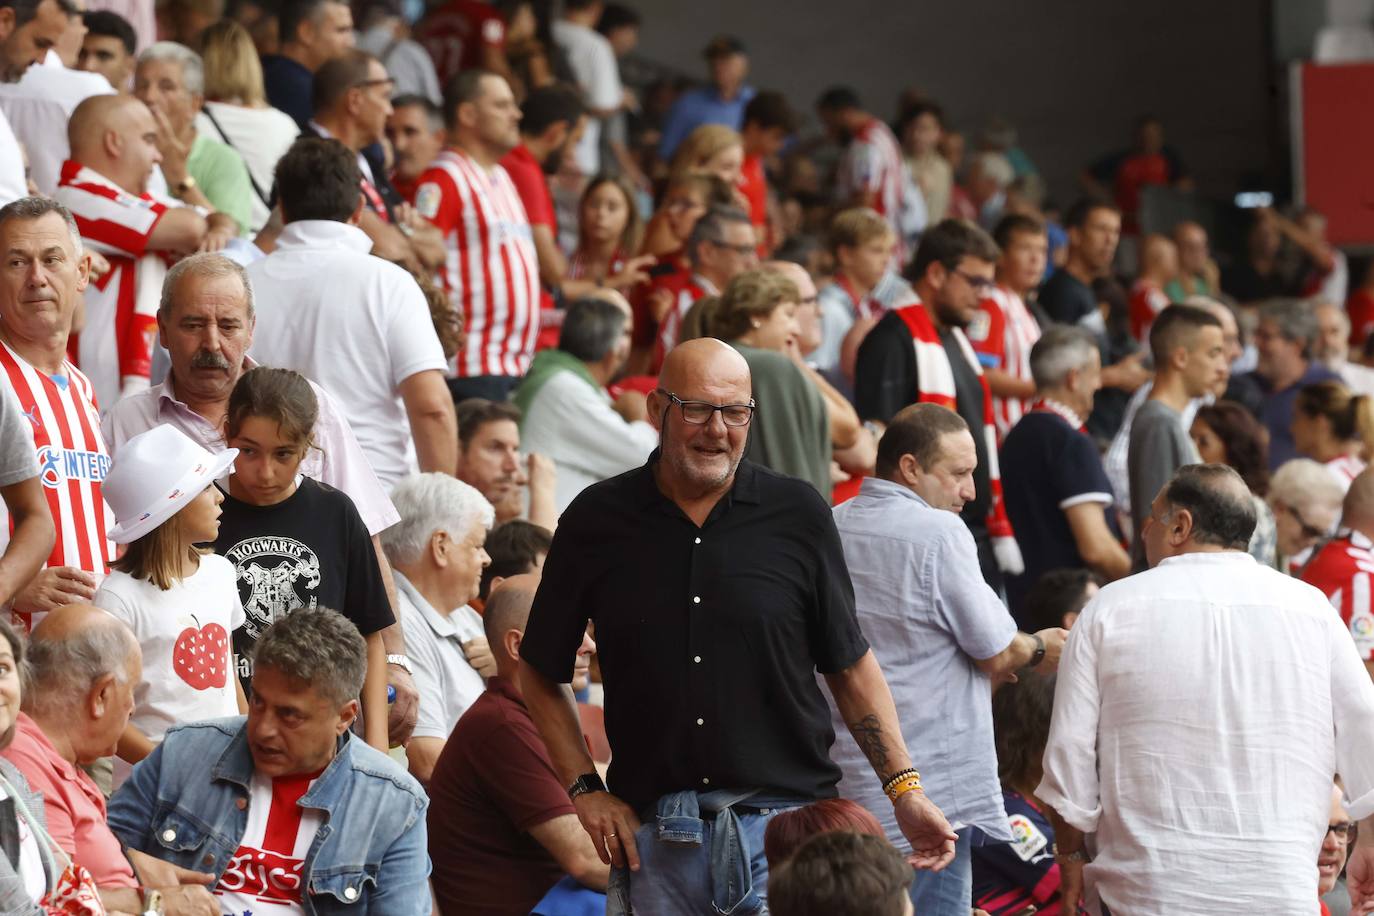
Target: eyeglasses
981,284
1308,530
745,248
1344,832
698,413
368,84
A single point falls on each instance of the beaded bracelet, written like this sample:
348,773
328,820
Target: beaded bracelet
898,776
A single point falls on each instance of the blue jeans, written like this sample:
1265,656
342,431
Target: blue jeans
675,879
948,892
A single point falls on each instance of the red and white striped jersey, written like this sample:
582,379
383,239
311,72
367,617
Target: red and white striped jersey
1147,301
1342,570
1345,469
1002,334
491,272
116,345
872,164
72,458
265,873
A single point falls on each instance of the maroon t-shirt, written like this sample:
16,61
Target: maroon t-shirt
493,782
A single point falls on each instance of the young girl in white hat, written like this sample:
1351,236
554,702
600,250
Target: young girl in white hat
179,599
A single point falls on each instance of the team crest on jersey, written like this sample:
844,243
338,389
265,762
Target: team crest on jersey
276,575
1363,627
980,325
427,200
1026,838
59,465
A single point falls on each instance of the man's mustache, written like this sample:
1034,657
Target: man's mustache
206,359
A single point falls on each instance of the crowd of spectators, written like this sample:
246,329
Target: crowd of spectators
453,464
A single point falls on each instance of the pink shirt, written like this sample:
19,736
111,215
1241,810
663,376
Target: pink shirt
74,807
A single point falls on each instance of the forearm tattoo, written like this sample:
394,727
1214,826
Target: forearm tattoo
868,734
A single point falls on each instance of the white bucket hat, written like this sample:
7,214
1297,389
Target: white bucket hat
155,474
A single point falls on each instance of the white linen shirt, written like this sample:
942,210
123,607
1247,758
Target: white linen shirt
354,323
928,615
575,426
1201,711
447,683
38,107
335,458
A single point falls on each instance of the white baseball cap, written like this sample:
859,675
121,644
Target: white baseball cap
155,474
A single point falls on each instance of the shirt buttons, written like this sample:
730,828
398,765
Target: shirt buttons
697,541
701,721
208,860
705,781
696,599
169,835
350,893
697,659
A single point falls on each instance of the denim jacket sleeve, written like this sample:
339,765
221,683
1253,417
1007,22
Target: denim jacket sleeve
403,877
130,810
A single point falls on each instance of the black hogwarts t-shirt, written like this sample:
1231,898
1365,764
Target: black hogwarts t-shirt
309,550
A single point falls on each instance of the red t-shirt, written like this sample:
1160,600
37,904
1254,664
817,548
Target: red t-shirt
531,185
1360,308
493,782
754,186
454,33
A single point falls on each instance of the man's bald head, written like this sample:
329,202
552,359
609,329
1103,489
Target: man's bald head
73,649
508,608
705,362
806,287
116,136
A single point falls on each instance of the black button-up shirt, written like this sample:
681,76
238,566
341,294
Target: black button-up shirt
709,638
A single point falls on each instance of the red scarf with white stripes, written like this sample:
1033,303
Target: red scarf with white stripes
935,385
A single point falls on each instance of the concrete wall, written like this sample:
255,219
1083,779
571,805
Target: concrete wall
1071,74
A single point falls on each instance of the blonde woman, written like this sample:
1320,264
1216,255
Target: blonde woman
237,113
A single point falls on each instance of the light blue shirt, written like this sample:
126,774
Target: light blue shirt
928,614
696,107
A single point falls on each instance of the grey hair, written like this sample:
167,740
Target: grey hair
994,165
30,208
1306,485
1341,314
1061,349
428,503
192,68
318,646
61,672
591,328
1296,321
207,265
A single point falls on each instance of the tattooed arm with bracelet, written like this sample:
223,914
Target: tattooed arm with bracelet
863,698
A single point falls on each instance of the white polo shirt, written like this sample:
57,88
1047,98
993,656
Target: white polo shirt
353,323
448,685
38,107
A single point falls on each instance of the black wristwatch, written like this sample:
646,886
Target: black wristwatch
1039,654
587,782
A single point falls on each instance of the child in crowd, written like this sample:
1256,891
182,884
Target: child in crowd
293,541
178,599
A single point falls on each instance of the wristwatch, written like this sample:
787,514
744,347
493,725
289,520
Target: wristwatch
587,782
1078,855
152,902
402,662
1039,654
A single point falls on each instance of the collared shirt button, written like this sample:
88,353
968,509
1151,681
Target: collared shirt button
697,659
350,893
208,860
696,599
701,721
697,541
705,781
169,835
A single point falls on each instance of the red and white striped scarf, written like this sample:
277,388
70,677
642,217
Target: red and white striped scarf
935,385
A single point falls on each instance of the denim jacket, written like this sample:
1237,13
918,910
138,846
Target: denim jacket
186,804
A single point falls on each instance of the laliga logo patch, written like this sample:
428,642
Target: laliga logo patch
980,325
1362,626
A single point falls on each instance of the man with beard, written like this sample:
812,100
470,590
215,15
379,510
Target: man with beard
918,352
27,31
567,414
492,271
717,588
1094,229
489,458
416,132
551,122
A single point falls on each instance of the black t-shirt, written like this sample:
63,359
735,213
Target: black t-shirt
1047,466
309,550
968,401
1245,284
1066,298
709,638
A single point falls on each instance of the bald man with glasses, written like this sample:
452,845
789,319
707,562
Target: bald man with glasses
717,589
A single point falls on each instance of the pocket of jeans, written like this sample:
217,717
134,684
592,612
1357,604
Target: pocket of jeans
618,893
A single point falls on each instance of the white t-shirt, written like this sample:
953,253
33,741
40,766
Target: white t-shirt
188,671
12,183
260,135
30,868
355,324
264,876
593,63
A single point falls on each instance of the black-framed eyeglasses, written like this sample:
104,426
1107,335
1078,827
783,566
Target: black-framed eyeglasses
981,284
1344,832
698,413
1308,530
